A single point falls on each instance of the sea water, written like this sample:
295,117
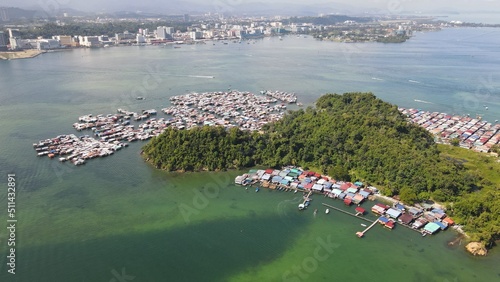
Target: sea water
119,218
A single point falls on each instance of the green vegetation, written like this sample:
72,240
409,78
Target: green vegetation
479,211
393,39
203,148
354,136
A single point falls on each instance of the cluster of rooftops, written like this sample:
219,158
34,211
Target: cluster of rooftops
420,217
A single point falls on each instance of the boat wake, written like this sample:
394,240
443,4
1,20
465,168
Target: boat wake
422,101
414,81
201,76
376,78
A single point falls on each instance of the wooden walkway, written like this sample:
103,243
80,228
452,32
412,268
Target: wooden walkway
362,233
306,198
346,212
366,219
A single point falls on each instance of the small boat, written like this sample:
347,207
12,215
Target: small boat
315,211
301,207
362,224
257,189
295,191
327,211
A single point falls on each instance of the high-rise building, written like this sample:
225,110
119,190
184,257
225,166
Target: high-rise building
164,32
3,14
169,30
14,33
3,40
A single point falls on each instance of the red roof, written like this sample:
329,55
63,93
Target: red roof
344,186
308,185
347,201
360,209
269,170
449,221
390,224
382,206
317,175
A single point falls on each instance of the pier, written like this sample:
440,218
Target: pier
362,233
306,198
348,213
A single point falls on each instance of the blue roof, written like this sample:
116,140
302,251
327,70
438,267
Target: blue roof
336,191
277,179
364,194
352,190
328,184
383,219
400,207
358,183
440,211
284,182
441,225
393,213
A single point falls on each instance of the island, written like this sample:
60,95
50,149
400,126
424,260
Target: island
351,137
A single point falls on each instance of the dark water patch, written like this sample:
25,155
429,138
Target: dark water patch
75,196
210,251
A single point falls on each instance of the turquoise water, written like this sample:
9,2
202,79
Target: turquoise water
119,215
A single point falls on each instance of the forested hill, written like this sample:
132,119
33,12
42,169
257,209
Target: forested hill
351,136
354,136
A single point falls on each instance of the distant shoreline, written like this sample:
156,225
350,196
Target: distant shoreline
25,54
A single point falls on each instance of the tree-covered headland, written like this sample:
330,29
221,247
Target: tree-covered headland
354,136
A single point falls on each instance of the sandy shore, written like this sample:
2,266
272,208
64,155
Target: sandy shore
19,54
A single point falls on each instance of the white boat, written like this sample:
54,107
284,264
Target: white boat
362,224
327,211
301,207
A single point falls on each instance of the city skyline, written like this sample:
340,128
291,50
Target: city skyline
244,6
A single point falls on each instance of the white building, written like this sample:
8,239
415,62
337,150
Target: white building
64,40
14,43
164,32
47,44
89,41
194,35
140,39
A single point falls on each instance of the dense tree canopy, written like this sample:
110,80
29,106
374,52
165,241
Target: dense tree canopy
354,132
352,136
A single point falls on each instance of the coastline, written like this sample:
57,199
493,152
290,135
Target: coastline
25,54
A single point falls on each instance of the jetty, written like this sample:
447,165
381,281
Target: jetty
306,198
346,212
291,178
362,233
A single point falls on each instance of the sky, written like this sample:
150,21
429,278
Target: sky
353,6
